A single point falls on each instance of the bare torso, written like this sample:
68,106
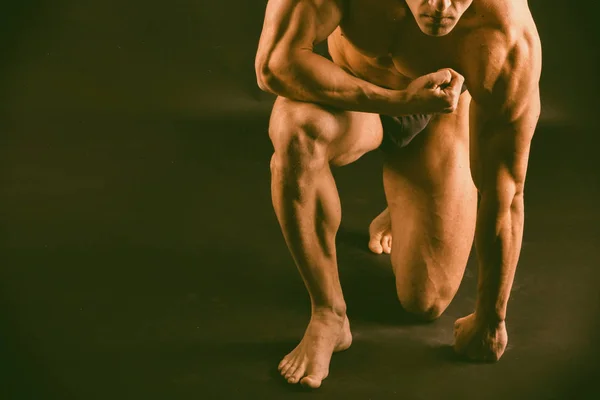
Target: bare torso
380,42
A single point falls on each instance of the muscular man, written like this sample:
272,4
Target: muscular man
396,82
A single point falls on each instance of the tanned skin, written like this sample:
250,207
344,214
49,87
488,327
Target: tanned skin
402,57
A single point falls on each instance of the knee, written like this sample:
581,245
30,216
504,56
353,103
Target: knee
297,153
301,134
424,306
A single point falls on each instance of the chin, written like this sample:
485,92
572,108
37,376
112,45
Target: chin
436,33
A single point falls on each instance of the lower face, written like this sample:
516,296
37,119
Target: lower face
433,22
436,26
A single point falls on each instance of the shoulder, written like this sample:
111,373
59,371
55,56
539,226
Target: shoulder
501,56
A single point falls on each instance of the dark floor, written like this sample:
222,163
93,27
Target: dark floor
142,260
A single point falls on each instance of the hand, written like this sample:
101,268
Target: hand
437,92
478,339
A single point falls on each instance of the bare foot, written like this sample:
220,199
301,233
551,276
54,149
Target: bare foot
380,233
308,363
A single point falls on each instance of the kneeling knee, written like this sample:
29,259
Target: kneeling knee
425,308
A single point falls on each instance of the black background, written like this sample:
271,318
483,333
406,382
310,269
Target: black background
140,257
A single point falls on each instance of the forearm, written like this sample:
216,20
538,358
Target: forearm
498,239
306,76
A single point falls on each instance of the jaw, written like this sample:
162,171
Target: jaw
435,33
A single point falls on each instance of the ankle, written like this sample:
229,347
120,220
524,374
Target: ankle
337,311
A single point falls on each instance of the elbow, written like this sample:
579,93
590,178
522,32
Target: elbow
268,75
262,75
265,79
271,72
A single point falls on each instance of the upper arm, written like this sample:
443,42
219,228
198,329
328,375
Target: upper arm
502,75
502,71
294,25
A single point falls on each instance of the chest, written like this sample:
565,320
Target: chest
386,32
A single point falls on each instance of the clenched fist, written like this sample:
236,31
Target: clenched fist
437,92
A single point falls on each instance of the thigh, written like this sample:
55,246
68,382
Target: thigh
433,203
347,135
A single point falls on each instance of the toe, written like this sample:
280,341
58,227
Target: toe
375,245
283,363
311,381
287,367
387,244
290,371
296,375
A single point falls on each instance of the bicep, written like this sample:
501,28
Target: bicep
295,25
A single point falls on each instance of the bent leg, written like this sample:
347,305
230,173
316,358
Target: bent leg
432,203
308,138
